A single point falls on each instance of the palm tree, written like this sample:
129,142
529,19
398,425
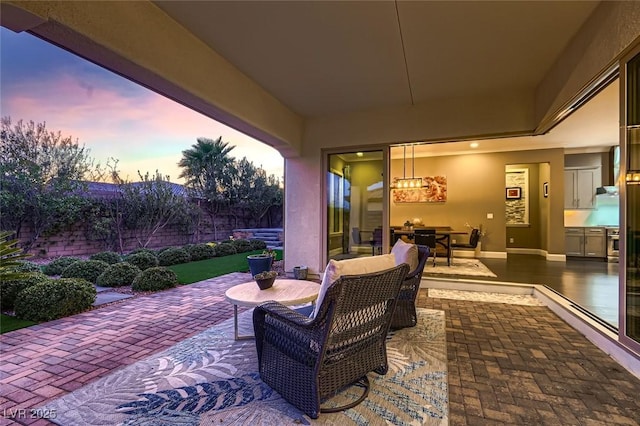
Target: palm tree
208,170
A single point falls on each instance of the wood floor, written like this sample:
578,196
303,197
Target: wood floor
589,283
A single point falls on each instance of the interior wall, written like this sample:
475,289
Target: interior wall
545,205
527,236
476,187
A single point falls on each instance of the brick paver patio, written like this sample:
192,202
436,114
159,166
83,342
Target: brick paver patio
508,364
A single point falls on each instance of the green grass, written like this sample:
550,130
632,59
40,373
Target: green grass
8,323
204,269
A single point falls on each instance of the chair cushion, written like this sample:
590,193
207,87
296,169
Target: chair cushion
358,266
406,253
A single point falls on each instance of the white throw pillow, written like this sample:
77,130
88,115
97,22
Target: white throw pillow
358,266
406,253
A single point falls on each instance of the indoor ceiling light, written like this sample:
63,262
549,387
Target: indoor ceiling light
633,178
412,182
359,154
474,144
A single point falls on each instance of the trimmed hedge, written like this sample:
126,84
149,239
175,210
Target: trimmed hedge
225,249
55,267
25,266
110,257
10,289
173,256
200,251
55,299
242,246
257,244
86,269
118,275
154,279
142,250
143,260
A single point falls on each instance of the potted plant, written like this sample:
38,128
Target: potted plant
265,279
261,262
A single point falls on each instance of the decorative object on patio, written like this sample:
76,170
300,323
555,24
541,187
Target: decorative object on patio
265,279
405,314
300,272
460,266
211,378
260,263
308,361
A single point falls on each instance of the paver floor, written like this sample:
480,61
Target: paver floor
43,362
508,364
523,365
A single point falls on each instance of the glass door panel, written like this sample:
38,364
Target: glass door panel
354,204
632,208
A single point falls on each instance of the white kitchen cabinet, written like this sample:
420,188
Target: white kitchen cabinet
580,187
585,242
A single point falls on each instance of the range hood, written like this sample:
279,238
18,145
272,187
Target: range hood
609,190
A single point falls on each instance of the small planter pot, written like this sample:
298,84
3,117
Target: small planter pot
300,272
259,263
265,283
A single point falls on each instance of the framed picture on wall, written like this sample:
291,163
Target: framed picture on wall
545,189
514,193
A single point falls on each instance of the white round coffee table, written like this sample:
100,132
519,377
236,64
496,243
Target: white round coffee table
286,291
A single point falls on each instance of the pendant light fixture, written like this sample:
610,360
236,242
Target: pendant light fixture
412,182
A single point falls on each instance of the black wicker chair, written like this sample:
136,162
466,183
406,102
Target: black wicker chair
405,314
308,361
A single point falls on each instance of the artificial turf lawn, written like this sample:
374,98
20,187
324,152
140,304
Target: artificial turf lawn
8,323
204,269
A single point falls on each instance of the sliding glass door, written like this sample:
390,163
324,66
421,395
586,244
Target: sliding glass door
630,229
354,195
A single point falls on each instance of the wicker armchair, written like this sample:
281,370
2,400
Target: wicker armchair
308,361
405,314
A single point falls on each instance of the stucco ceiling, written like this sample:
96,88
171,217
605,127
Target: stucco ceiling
326,58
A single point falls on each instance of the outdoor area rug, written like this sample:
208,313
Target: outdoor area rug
459,266
211,379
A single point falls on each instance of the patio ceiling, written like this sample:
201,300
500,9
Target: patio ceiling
325,58
329,58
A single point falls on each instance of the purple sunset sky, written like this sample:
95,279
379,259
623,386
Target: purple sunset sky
108,114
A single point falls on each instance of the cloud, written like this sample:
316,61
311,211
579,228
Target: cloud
114,117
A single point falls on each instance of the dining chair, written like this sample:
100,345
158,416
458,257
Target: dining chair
427,237
474,238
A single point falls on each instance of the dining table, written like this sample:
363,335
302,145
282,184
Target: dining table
443,236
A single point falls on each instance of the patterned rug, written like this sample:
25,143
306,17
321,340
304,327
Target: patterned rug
211,379
459,266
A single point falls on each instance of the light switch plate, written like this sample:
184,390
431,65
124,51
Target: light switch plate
489,215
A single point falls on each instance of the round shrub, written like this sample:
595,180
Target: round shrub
143,260
143,250
225,250
257,244
154,279
9,289
55,299
110,257
242,246
86,269
26,267
200,251
55,267
118,275
173,256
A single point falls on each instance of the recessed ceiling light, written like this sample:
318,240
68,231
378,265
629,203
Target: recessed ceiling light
474,144
359,154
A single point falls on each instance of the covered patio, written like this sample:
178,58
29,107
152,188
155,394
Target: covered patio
507,363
